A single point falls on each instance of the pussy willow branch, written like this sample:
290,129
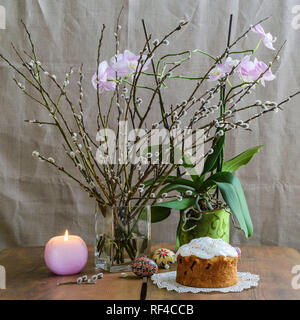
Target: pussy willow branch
60,168
90,160
85,136
113,179
139,67
97,79
42,91
116,93
161,103
136,77
273,108
39,87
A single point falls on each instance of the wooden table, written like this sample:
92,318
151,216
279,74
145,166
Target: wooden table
28,278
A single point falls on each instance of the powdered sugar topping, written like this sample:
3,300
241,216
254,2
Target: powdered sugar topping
207,248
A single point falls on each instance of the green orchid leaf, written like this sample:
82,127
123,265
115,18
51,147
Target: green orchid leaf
186,163
211,161
190,168
240,160
159,214
177,204
233,194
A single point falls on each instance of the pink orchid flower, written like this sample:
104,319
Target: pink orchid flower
119,65
126,63
217,73
230,63
105,73
250,71
221,69
247,70
266,38
262,67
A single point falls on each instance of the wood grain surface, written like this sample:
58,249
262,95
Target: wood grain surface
29,278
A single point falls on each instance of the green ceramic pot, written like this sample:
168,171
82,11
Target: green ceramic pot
214,224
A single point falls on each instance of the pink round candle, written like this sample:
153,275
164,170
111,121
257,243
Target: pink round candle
66,255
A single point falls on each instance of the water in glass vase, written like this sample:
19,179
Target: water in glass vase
122,234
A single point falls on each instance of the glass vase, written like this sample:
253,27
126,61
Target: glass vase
122,234
214,224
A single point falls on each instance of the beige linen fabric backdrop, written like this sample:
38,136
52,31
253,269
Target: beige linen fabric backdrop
36,202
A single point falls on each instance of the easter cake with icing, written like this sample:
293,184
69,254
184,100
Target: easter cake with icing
207,263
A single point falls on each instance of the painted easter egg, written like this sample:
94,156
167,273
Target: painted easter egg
238,250
163,257
144,267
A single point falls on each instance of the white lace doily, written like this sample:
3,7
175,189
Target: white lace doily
168,280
